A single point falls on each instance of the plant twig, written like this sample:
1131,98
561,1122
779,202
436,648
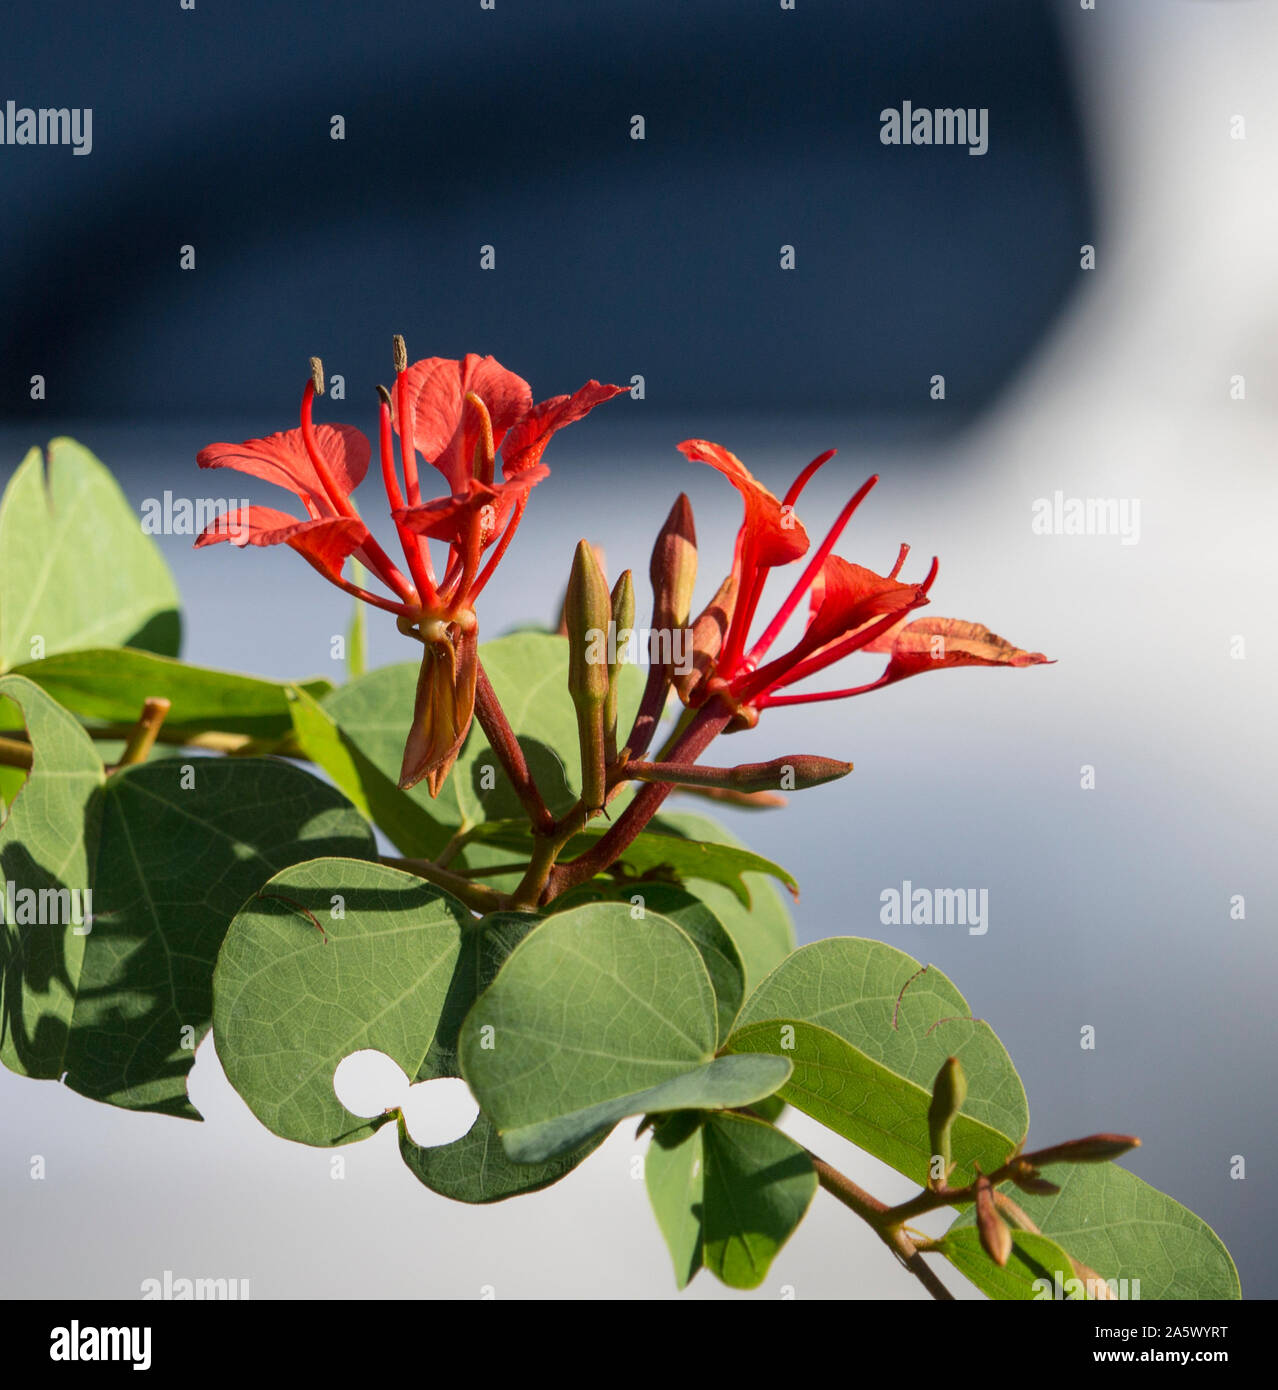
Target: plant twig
142,738
15,753
877,1215
475,895
709,722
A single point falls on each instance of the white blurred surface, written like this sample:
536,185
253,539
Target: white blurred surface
1108,908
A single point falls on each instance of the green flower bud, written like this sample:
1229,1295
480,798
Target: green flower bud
623,622
587,614
949,1091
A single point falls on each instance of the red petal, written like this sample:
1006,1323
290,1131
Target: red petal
930,644
527,440
282,459
325,543
771,532
445,518
437,386
845,597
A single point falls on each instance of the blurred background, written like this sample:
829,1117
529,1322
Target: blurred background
1145,132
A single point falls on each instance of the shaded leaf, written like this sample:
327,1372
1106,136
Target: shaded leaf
594,1017
168,850
728,1192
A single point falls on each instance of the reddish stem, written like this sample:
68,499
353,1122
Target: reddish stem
709,722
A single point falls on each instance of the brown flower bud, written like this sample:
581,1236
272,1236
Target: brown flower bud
673,568
1096,1148
794,773
708,633
996,1236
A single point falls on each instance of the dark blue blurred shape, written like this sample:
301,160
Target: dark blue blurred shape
511,128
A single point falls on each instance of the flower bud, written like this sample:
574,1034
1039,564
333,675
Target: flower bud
673,568
794,773
587,614
949,1091
996,1237
707,638
623,622
1096,1148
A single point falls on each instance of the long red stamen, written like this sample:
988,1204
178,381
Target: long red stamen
401,609
407,444
900,560
509,535
337,499
772,701
418,563
801,481
808,578
371,553
753,578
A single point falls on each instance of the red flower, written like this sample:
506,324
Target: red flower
849,608
457,415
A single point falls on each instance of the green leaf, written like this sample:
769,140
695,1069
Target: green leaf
168,850
298,989
476,1169
728,1192
763,928
594,1017
878,1028
76,568
529,672
356,641
1027,1275
1124,1229
651,852
396,973
866,1102
719,953
110,684
403,818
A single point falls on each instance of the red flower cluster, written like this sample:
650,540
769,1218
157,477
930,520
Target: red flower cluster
458,415
850,608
